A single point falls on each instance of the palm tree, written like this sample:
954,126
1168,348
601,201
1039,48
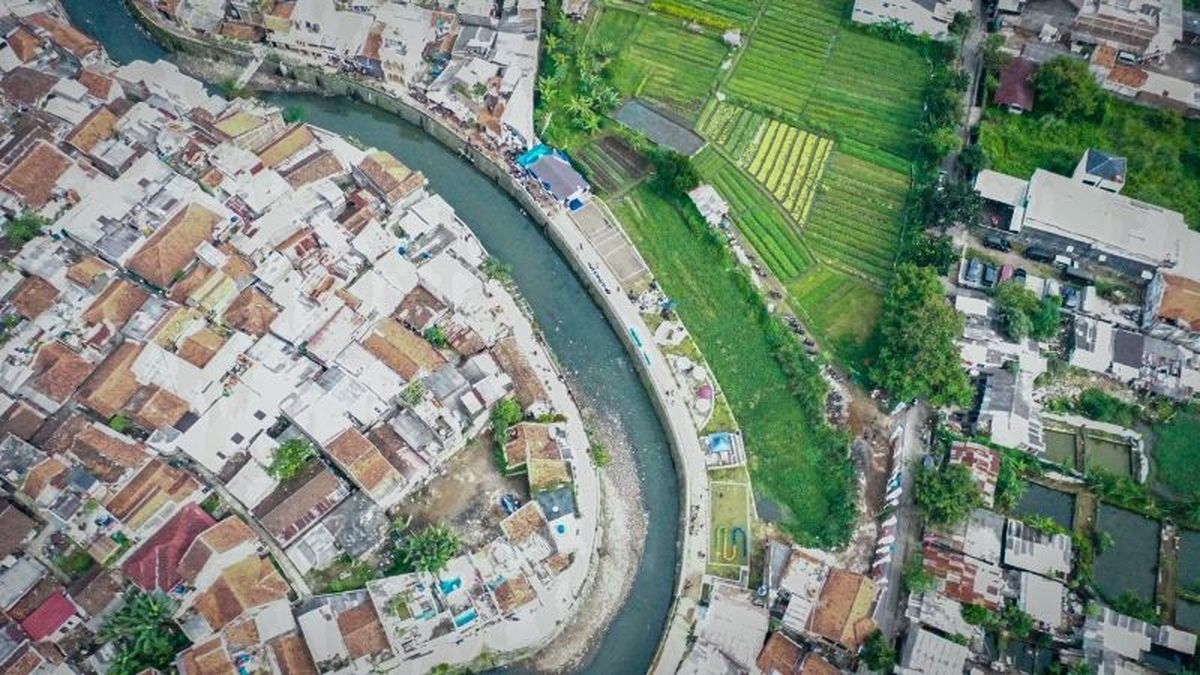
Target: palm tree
579,106
144,633
591,122
546,87
589,82
607,98
552,43
561,61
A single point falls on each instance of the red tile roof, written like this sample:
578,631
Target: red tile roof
34,177
51,616
155,564
33,296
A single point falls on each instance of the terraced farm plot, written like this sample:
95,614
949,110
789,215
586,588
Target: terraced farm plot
788,162
787,52
612,163
773,235
840,308
857,217
739,12
732,127
663,62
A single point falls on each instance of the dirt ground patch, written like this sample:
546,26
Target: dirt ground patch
467,495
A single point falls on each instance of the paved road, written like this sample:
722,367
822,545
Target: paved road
912,447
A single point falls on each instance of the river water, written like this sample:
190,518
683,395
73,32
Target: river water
576,330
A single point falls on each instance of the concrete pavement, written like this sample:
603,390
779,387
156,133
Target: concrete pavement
890,615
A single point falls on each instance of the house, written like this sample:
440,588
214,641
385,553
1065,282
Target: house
52,620
1015,93
245,586
1139,30
16,528
1065,215
733,626
33,178
216,549
1111,637
1008,412
1171,309
529,441
157,489
780,656
154,565
709,203
1102,170
172,247
343,630
554,172
389,178
32,296
927,653
1042,599
922,17
1027,548
292,509
842,614
983,464
367,467
965,579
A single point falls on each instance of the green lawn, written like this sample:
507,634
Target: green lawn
729,512
701,276
1163,152
841,309
1177,455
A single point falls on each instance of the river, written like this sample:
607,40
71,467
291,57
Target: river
576,330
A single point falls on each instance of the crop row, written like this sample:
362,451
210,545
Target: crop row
788,162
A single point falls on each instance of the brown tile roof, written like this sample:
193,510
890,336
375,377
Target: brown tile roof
98,84
289,517
155,485
402,350
1128,76
34,177
397,451
843,610
390,176
88,270
207,658
21,420
33,296
24,44
251,583
153,407
112,384
237,266
116,303
363,462
41,476
286,145
291,655
96,127
780,656
816,665
529,440
523,523
419,308
64,35
193,280
1104,55
28,603
96,592
220,538
26,86
104,455
173,246
362,631
1181,301
514,593
464,340
526,383
1016,84
199,347
321,164
14,527
58,372
251,312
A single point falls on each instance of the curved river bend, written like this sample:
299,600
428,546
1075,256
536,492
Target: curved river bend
575,329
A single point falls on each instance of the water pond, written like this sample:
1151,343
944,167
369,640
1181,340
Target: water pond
1131,563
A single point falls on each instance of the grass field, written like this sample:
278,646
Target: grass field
841,308
1176,460
739,12
700,275
759,218
1164,157
660,61
729,520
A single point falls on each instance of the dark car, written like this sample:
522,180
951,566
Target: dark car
1039,254
990,275
974,271
997,243
1070,296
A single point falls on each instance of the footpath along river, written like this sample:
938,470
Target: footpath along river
598,366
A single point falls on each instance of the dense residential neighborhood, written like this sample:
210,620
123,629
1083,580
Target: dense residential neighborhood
680,336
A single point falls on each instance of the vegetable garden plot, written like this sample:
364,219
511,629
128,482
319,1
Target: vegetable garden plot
677,66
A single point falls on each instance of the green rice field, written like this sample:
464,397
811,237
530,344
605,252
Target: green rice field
841,308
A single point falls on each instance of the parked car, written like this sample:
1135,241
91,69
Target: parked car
997,243
510,504
990,275
974,271
1039,254
1006,273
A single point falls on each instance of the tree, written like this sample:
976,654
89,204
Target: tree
960,25
1017,622
916,578
673,172
430,549
24,228
948,496
435,336
977,615
953,204
506,413
1023,314
920,357
144,634
877,654
290,459
940,141
994,56
1066,87
974,159
933,250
